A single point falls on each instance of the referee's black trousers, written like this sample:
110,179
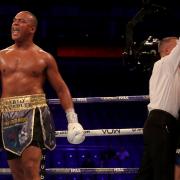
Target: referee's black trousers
159,147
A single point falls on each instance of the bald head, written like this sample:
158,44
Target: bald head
166,45
30,16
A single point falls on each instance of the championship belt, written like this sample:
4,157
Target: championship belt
18,122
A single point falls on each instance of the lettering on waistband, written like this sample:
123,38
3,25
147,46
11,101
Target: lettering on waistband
19,103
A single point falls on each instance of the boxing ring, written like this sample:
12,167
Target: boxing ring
93,133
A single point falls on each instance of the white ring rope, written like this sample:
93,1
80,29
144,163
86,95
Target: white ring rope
106,132
104,99
6,171
92,170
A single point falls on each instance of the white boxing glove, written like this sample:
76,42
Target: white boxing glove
75,133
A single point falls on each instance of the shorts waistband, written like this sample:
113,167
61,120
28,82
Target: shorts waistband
18,103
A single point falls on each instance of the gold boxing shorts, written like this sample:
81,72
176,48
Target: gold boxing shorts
18,114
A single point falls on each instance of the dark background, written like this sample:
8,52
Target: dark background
89,25
97,24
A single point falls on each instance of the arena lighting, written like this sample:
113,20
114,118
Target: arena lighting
151,41
148,47
142,56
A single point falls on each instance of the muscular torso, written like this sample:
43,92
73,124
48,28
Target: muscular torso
22,71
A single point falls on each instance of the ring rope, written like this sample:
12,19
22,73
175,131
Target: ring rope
106,132
6,171
92,170
104,99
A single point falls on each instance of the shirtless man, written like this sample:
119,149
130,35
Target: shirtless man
26,121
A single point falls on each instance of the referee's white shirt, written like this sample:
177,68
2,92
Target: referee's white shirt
164,84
